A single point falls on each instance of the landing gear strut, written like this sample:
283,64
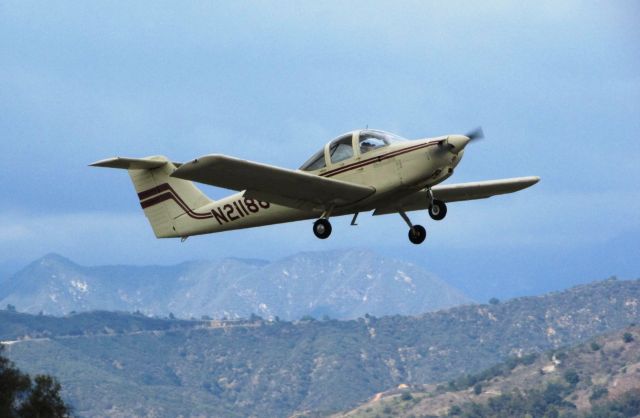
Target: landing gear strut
322,228
417,233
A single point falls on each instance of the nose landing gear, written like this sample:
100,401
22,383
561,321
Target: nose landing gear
417,233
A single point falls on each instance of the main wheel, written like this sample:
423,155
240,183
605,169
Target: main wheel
322,228
438,210
417,234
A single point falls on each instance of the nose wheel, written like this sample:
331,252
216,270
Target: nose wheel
437,210
322,228
417,234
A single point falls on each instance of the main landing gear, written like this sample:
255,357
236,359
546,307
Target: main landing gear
417,233
437,210
322,228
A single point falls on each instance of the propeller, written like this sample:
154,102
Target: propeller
475,134
444,146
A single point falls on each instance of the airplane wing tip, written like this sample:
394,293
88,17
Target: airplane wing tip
532,180
106,162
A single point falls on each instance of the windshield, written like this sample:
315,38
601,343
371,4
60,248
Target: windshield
316,162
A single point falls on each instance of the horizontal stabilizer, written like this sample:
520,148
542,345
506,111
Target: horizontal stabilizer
133,163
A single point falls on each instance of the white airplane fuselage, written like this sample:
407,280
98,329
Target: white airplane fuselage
394,171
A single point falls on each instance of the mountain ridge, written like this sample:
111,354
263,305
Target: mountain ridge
342,284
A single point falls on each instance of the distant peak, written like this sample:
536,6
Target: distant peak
249,261
54,258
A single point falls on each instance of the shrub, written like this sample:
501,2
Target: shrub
455,410
598,393
477,389
571,376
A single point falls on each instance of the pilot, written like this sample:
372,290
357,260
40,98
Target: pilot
366,146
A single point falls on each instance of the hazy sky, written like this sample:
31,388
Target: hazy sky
555,85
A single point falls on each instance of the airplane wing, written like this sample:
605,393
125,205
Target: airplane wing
292,188
458,192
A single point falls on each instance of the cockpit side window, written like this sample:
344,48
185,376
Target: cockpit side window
341,149
371,141
316,162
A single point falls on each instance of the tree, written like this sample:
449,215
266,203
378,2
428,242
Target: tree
20,397
44,400
11,308
572,377
494,301
627,337
477,389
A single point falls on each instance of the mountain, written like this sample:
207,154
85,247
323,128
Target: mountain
593,379
128,365
339,284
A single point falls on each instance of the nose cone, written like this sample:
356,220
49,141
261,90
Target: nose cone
458,142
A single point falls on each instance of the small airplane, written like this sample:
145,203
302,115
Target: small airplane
360,171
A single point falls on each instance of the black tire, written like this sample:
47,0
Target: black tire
438,210
417,234
322,228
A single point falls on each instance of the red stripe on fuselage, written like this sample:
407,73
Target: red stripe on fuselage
169,195
382,157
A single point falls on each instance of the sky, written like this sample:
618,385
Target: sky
555,86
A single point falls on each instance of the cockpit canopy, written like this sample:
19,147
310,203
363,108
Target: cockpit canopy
342,148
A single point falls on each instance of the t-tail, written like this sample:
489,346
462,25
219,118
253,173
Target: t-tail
169,203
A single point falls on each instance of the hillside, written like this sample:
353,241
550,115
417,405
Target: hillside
339,284
271,368
591,379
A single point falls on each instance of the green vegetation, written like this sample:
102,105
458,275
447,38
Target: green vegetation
627,405
275,368
501,369
20,396
544,387
547,403
535,402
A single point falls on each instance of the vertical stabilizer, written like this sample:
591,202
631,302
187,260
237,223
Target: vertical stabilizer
167,202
